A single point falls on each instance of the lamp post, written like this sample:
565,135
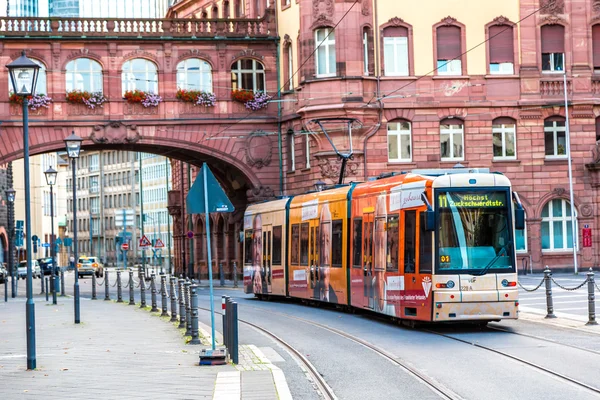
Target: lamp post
320,185
23,77
73,143
10,196
51,181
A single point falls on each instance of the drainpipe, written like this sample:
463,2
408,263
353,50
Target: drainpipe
279,112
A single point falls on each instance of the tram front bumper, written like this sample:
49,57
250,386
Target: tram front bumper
475,311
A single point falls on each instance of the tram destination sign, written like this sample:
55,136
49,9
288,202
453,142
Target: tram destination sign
462,200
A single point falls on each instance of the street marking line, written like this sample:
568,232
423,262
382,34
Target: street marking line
259,354
283,390
228,386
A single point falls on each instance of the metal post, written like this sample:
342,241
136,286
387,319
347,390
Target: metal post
62,282
29,307
46,279
188,311
191,260
229,315
142,292
153,291
182,323
119,288
224,300
194,314
141,178
234,327
550,306
131,292
163,289
221,274
6,288
591,299
41,282
172,282
168,221
106,286
568,137
235,274
53,271
94,287
11,235
75,244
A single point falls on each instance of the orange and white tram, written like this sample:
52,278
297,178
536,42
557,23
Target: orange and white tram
433,246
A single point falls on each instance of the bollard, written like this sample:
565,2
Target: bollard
163,290
229,323
173,299
234,327
153,291
41,281
119,288
188,311
181,305
54,285
224,300
550,306
62,282
94,294
591,299
51,282
46,279
131,289
140,272
221,274
235,276
142,292
194,314
106,287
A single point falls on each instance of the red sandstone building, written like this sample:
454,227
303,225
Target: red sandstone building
428,88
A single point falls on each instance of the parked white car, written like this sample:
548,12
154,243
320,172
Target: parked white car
35,269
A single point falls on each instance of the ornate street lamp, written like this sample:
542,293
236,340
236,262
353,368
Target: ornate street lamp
51,181
23,77
10,196
73,143
320,185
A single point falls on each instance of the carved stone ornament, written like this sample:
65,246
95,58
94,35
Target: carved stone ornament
83,53
260,193
596,6
326,7
552,7
502,20
395,21
247,53
552,19
448,20
140,53
259,150
587,210
194,53
559,191
331,167
115,133
366,8
321,21
583,111
287,40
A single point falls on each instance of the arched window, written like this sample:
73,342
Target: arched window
194,74
399,141
288,69
325,52
248,74
139,74
555,137
557,229
41,86
84,74
449,50
553,48
501,47
504,139
395,51
452,138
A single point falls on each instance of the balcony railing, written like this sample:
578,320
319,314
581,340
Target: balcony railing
555,87
184,28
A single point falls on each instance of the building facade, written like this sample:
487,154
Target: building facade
123,8
63,8
23,8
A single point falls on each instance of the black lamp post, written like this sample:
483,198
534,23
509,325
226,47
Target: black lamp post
73,144
10,196
23,77
51,181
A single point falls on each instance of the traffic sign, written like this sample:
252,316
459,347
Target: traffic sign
144,242
34,238
125,246
58,241
190,235
68,242
207,192
159,244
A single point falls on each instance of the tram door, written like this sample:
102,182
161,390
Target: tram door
314,259
267,267
413,287
368,260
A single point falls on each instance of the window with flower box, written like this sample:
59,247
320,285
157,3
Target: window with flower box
139,74
84,74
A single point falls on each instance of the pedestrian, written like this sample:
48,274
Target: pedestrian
72,262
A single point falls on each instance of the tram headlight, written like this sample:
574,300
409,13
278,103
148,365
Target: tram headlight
450,284
505,282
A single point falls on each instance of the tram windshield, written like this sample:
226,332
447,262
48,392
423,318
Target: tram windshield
474,232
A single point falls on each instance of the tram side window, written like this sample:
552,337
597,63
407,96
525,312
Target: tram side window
336,243
304,244
410,233
392,243
295,244
276,256
248,246
357,242
425,247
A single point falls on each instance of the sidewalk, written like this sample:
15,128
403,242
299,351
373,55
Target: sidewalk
119,352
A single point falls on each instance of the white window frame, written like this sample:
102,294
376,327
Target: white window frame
401,64
74,70
554,130
237,70
506,68
150,71
504,130
565,220
449,67
451,131
552,70
400,133
328,44
365,52
204,73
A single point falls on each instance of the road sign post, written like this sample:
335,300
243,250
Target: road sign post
124,218
205,196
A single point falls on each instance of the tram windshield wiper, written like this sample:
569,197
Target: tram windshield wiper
493,260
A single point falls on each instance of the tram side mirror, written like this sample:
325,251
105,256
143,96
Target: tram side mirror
519,219
430,220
